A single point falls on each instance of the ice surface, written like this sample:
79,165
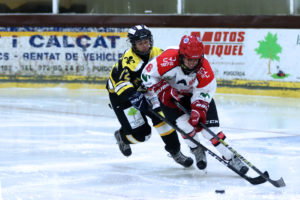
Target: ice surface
58,144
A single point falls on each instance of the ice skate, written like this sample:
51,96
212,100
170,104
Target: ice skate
124,148
237,164
200,157
182,159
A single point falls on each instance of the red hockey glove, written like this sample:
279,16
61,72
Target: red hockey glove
166,93
198,114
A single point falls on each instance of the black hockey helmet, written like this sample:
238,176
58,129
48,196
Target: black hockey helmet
140,32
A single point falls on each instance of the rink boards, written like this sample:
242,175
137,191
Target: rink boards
244,60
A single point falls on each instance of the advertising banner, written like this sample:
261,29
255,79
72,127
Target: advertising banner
59,54
87,54
244,54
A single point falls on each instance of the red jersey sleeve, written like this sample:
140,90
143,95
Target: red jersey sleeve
205,75
167,60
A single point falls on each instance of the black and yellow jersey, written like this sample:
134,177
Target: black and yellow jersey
124,77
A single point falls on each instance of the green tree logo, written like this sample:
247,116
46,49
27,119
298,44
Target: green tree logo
269,49
132,112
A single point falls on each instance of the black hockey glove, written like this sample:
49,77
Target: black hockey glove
139,101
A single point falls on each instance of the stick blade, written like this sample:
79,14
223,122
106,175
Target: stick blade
278,183
265,177
259,179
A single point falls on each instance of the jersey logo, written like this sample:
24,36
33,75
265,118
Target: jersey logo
129,60
203,73
181,81
192,81
205,95
168,61
145,77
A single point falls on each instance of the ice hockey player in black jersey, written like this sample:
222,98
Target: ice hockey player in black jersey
129,103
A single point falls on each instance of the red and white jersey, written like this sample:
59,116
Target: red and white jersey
201,84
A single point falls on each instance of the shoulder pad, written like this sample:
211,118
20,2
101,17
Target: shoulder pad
131,60
167,61
155,51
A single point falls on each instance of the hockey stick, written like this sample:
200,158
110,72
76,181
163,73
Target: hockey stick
253,181
277,183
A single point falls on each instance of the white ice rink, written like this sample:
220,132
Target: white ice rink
58,144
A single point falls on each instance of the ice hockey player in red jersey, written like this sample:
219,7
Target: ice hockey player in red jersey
185,75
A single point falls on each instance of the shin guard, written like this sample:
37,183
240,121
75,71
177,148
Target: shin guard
226,153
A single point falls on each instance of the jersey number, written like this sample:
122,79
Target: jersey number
125,75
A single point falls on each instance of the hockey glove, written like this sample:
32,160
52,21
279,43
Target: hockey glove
166,93
198,114
139,101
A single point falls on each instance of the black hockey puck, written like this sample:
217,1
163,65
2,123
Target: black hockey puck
220,191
